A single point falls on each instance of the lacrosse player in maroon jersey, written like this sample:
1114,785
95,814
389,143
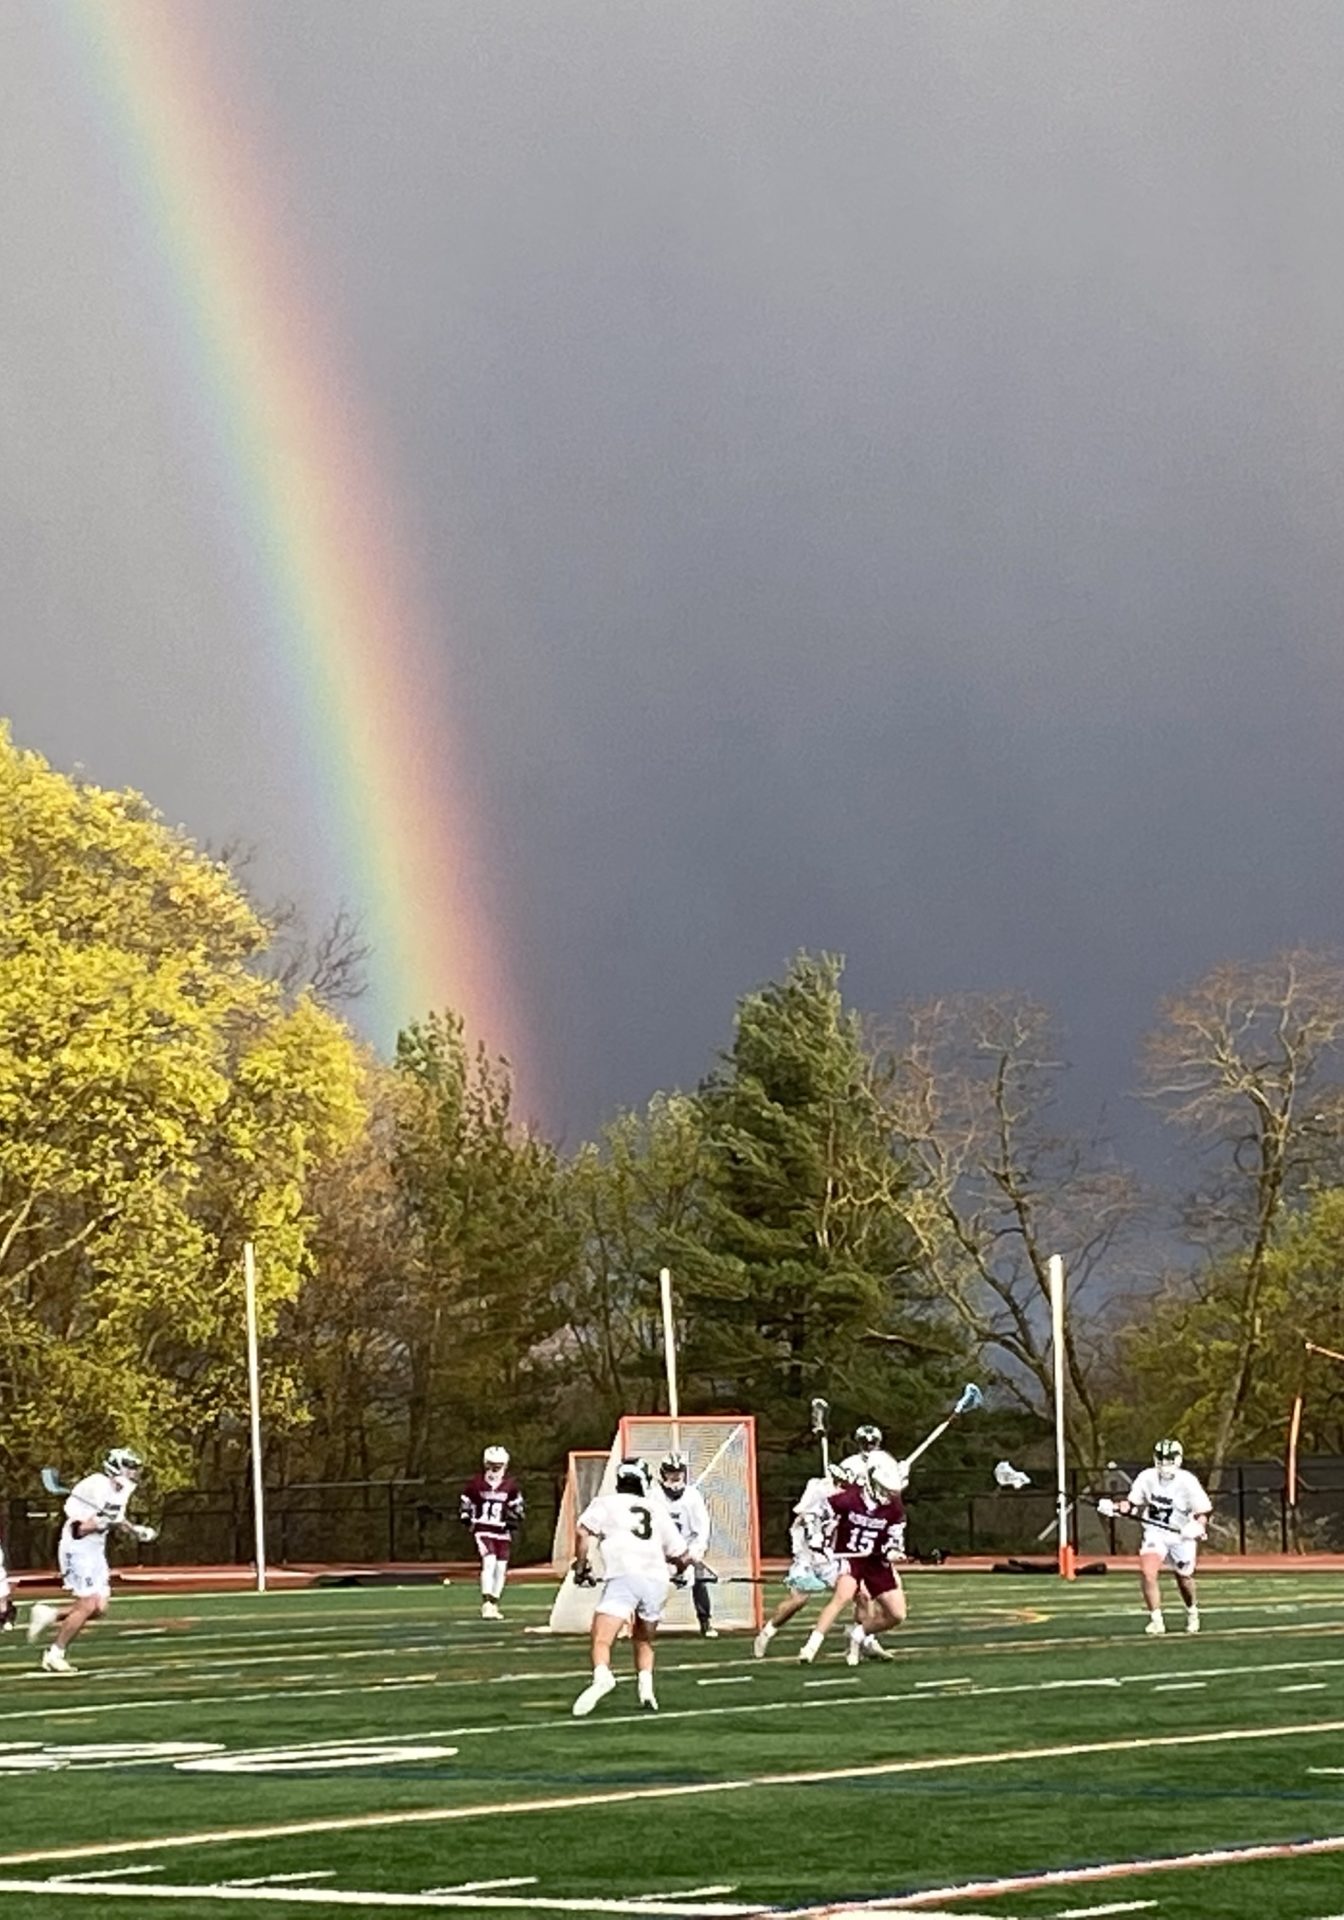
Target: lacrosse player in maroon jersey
492,1507
869,1533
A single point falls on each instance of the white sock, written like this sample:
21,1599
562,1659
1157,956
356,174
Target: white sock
769,1630
487,1576
501,1574
871,1640
857,1635
1156,1614
812,1644
644,1684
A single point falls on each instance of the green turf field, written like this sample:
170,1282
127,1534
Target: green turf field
320,1752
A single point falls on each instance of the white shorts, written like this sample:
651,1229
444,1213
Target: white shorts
1180,1555
84,1568
633,1596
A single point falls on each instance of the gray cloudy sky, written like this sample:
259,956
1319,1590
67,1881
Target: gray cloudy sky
877,466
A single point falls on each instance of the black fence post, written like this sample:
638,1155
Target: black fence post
1241,1509
1283,1519
970,1523
391,1520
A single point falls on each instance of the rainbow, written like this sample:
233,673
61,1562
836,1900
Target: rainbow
306,510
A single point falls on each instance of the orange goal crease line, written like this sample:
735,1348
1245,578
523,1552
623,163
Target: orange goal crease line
565,1803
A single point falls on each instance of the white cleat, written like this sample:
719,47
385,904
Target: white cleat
1192,1620
874,1650
489,1611
54,1661
40,1616
853,1653
760,1644
1156,1625
709,1633
603,1682
648,1702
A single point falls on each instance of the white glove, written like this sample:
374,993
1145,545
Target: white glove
1195,1528
902,1475
1106,1508
143,1534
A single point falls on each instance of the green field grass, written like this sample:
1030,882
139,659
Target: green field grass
393,1752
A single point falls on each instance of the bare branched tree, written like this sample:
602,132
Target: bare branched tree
969,1084
1241,1061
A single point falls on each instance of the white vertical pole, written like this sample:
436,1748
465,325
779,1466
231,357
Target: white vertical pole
1056,1269
254,1400
670,1356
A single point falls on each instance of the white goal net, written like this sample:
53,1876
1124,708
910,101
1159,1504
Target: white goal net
721,1449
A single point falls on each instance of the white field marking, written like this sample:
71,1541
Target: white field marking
1186,1686
790,1704
622,1796
339,1897
955,1680
168,1699
111,1873
843,1680
685,1893
1304,1686
486,1886
728,1680
276,1879
1066,1877
1113,1906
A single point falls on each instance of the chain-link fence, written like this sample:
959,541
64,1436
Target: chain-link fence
327,1522
955,1512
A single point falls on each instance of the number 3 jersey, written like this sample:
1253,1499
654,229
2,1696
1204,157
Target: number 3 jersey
1169,1502
636,1533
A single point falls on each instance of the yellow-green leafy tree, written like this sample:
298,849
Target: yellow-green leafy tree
160,1100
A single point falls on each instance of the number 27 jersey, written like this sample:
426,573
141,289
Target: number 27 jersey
636,1534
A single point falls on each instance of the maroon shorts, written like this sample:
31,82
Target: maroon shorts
496,1543
875,1575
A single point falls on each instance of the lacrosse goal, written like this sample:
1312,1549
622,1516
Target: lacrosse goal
721,1450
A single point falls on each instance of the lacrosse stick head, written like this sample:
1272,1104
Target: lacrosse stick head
820,1410
971,1400
51,1480
1007,1475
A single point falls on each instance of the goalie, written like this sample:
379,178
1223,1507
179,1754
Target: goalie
1174,1510
688,1513
93,1508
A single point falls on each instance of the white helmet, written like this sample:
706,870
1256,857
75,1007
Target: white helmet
887,1478
674,1475
633,1476
123,1463
496,1463
1167,1457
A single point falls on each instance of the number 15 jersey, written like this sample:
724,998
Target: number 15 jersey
637,1535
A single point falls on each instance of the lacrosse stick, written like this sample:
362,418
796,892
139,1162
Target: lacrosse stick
53,1483
970,1400
1010,1477
1089,1499
820,1410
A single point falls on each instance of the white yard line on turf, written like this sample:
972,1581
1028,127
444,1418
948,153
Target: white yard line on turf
486,1886
622,1796
1112,1906
341,1897
276,1879
919,1693
111,1873
1065,1877
1185,1686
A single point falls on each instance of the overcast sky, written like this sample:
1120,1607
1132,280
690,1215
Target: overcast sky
877,469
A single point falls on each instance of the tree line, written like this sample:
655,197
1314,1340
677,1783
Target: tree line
856,1208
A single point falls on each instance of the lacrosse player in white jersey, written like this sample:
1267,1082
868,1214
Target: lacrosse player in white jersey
814,1567
638,1542
688,1513
1174,1509
92,1508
